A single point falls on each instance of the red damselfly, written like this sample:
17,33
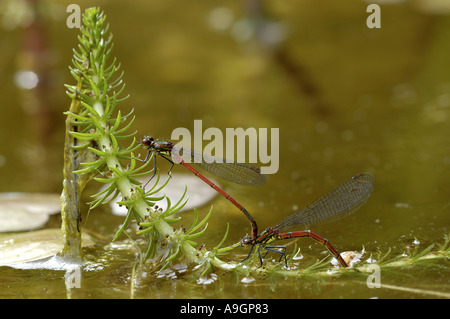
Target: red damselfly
230,171
340,202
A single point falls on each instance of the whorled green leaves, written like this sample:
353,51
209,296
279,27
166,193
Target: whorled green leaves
97,127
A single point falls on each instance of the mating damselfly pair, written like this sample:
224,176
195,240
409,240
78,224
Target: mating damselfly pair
342,201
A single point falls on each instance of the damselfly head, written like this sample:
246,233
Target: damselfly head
246,240
147,140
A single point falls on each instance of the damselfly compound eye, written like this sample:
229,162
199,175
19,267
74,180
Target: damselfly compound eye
246,240
147,140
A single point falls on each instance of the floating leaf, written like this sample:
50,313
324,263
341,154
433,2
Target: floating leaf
45,203
19,219
26,211
32,246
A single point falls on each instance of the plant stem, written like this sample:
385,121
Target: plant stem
70,196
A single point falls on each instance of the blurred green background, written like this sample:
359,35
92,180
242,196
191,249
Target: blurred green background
346,98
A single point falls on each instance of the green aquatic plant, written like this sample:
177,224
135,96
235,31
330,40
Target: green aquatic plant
94,129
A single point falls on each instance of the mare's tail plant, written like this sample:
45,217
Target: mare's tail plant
94,128
92,148
91,130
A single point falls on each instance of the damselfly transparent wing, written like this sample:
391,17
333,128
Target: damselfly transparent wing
342,201
234,172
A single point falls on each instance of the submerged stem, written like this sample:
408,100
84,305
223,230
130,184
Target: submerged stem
72,188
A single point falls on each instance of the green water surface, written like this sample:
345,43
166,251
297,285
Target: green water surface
346,99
